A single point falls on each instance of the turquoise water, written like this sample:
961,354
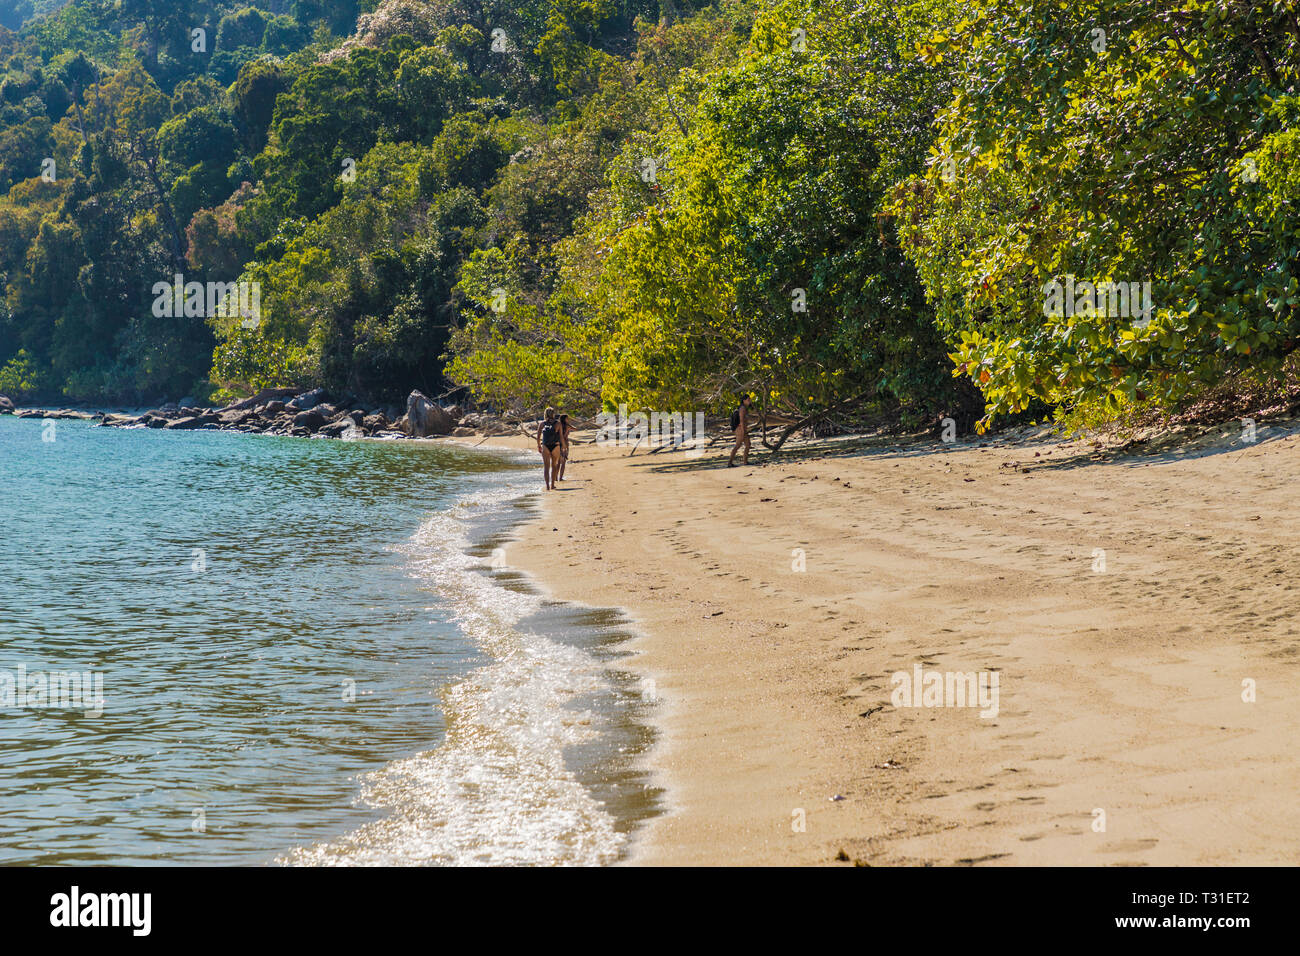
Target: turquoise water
285,630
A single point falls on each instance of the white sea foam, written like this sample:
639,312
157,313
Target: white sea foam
497,790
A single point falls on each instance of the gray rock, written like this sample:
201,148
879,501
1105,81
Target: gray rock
344,428
59,413
309,420
6,405
423,418
236,416
375,423
265,396
307,400
122,421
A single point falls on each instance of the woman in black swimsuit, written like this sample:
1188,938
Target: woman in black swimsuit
549,441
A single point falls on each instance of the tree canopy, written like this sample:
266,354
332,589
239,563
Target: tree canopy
986,209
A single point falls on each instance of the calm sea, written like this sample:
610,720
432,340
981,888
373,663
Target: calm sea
304,654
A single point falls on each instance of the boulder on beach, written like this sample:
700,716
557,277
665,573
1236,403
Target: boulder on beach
344,428
59,413
237,416
309,420
121,421
306,400
424,418
6,406
202,420
267,396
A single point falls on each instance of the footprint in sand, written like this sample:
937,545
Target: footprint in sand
1130,846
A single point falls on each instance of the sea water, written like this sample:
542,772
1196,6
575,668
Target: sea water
305,656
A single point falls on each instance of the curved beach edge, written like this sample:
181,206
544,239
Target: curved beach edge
1126,602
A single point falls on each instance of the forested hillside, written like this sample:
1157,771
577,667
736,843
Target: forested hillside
851,208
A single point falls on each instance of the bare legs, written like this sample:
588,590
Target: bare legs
742,438
552,465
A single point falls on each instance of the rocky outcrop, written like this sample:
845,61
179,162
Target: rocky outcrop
311,420
423,418
483,424
266,396
303,414
6,406
190,422
307,400
239,416
60,413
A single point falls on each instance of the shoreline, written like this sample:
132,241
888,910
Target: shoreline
1122,735
624,733
532,766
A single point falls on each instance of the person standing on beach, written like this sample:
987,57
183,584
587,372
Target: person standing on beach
740,426
548,443
565,430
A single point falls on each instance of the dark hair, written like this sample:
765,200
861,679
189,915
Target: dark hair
564,419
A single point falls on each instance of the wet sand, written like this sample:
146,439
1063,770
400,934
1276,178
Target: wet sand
1121,736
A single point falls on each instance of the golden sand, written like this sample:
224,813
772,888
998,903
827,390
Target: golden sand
1121,737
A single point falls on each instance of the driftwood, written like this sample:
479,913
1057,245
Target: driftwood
809,420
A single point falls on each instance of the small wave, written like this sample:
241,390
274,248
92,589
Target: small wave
497,791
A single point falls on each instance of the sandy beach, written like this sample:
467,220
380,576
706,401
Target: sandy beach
1126,602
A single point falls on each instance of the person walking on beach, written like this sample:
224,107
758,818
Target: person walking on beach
548,443
565,430
740,426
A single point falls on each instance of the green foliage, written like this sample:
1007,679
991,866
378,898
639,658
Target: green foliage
735,244
1160,153
825,202
357,300
18,378
141,137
